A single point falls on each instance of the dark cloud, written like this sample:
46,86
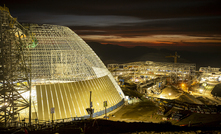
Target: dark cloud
127,18
202,26
139,8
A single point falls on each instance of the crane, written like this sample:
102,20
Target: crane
174,56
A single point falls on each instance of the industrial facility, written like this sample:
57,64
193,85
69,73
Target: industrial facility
51,79
210,74
149,69
49,70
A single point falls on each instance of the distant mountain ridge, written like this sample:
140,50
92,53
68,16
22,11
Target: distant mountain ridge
118,54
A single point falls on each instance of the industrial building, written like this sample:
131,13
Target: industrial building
210,74
151,77
151,70
57,68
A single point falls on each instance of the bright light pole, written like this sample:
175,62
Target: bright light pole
201,91
183,86
169,95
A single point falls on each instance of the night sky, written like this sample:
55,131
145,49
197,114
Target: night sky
129,22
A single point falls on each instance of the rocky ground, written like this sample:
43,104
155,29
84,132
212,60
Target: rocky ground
145,111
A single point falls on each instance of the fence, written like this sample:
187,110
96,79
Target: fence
41,124
102,112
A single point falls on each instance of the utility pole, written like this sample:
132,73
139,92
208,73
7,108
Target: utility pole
90,110
30,101
91,114
105,105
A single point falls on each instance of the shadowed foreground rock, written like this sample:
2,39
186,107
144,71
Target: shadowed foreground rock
106,126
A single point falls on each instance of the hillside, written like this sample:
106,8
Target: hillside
118,54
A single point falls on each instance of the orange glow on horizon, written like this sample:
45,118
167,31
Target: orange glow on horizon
154,40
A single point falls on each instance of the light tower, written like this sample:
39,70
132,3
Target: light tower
14,75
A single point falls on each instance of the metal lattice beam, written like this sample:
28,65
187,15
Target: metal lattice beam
14,75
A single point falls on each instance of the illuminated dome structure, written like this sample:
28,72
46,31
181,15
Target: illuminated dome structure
64,71
59,69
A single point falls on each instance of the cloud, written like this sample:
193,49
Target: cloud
141,8
142,22
199,25
79,20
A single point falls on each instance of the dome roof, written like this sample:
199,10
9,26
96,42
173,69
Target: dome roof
64,71
58,53
53,68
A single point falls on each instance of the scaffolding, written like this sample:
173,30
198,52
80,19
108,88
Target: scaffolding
64,68
49,66
14,74
60,55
